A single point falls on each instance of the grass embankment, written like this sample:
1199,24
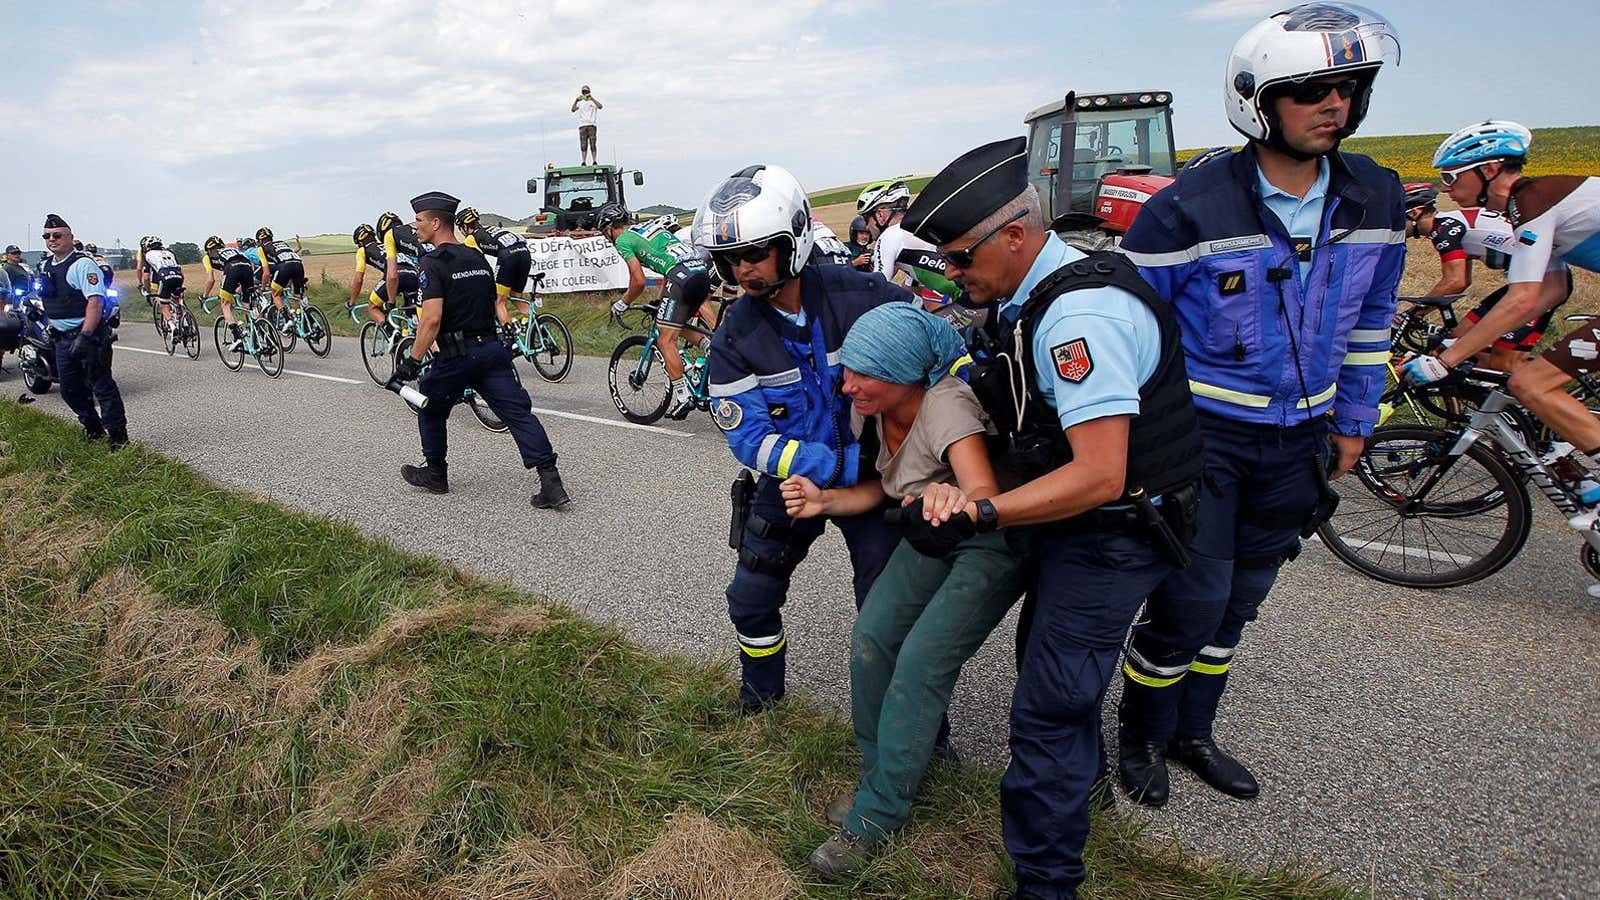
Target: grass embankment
204,694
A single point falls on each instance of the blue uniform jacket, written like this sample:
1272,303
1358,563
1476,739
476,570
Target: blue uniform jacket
775,385
1207,244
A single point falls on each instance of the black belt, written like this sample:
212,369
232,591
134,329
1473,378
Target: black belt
454,343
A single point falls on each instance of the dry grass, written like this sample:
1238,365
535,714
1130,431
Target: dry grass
697,859
527,868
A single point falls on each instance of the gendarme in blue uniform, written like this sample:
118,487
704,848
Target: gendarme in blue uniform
67,287
775,394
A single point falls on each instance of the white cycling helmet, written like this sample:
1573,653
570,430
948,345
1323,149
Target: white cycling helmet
755,206
1481,142
1303,42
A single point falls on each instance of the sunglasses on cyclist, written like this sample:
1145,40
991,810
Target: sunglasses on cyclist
1310,92
1450,177
752,254
962,259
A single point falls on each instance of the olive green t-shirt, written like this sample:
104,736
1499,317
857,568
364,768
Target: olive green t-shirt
950,412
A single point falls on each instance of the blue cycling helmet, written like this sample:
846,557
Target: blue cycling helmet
1481,142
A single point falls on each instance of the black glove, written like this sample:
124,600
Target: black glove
86,347
407,369
937,541
508,336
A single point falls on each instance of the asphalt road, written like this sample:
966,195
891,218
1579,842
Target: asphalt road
1416,743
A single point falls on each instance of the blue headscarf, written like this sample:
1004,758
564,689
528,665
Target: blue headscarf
903,344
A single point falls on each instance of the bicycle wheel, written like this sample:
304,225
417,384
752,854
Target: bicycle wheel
552,348
191,334
233,359
269,347
638,383
173,336
375,353
156,318
486,416
285,322
1472,521
319,337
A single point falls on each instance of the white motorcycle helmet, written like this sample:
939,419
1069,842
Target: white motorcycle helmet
752,207
1303,42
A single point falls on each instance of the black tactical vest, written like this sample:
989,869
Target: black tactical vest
1164,451
62,300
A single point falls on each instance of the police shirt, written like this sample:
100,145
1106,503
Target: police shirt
461,277
85,277
1301,216
1092,348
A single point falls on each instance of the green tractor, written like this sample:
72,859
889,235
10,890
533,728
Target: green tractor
573,194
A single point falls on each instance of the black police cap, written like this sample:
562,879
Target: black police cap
436,201
968,190
55,221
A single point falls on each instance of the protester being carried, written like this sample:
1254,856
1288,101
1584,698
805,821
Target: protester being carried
926,614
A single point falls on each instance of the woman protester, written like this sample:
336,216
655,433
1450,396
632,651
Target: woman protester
925,615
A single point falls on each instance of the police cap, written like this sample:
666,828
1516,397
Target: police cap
436,201
968,190
55,221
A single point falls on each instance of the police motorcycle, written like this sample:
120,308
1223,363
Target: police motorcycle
11,319
36,355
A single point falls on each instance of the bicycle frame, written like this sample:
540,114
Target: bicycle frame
699,379
1509,427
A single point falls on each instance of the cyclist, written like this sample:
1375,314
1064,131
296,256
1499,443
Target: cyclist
686,286
401,250
1461,236
897,251
238,274
512,259
160,276
99,260
826,246
1555,220
285,267
369,251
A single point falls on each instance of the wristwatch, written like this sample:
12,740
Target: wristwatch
988,516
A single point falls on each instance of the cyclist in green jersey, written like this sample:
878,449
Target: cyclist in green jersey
687,285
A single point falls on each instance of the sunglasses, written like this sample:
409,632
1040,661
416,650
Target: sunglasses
1451,176
962,259
752,254
1311,92
53,235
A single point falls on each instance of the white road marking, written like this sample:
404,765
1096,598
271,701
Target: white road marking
541,410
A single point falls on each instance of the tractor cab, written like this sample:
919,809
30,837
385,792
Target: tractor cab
1119,151
573,194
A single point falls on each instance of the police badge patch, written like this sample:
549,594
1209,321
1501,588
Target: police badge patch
1073,361
727,414
94,278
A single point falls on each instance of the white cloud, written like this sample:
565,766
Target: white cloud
1236,9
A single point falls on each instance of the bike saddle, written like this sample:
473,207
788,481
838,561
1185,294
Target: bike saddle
1447,300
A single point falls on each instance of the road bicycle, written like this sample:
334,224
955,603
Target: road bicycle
539,337
260,339
377,341
637,376
186,334
1433,507
299,318
480,407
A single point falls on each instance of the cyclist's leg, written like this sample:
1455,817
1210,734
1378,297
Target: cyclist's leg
378,303
1540,386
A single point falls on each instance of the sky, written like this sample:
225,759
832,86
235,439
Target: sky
189,117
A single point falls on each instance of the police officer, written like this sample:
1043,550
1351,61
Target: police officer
1102,459
456,290
74,293
1282,260
775,381
16,272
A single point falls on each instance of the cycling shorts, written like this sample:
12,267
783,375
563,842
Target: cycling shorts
1578,353
686,289
236,277
380,294
514,266
287,273
170,284
1526,337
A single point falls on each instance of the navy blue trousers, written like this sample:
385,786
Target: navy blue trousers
1087,591
773,545
82,387
1260,488
486,368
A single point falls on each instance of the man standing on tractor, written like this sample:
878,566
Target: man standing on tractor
1282,261
587,107
686,286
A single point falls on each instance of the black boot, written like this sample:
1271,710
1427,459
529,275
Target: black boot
1142,769
116,439
551,494
1215,767
430,477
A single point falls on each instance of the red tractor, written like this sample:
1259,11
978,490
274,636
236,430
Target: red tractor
1122,153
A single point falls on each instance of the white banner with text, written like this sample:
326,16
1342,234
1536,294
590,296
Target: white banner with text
577,264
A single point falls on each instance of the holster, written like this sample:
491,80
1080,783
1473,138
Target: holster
744,490
1158,522
451,345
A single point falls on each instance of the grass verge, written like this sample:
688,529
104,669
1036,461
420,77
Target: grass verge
204,694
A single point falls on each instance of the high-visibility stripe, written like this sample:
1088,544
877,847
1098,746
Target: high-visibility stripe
1149,681
764,451
1366,358
1323,397
757,652
1217,652
734,388
1228,395
759,642
963,361
1375,236
787,457
1210,668
1145,665
1369,335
